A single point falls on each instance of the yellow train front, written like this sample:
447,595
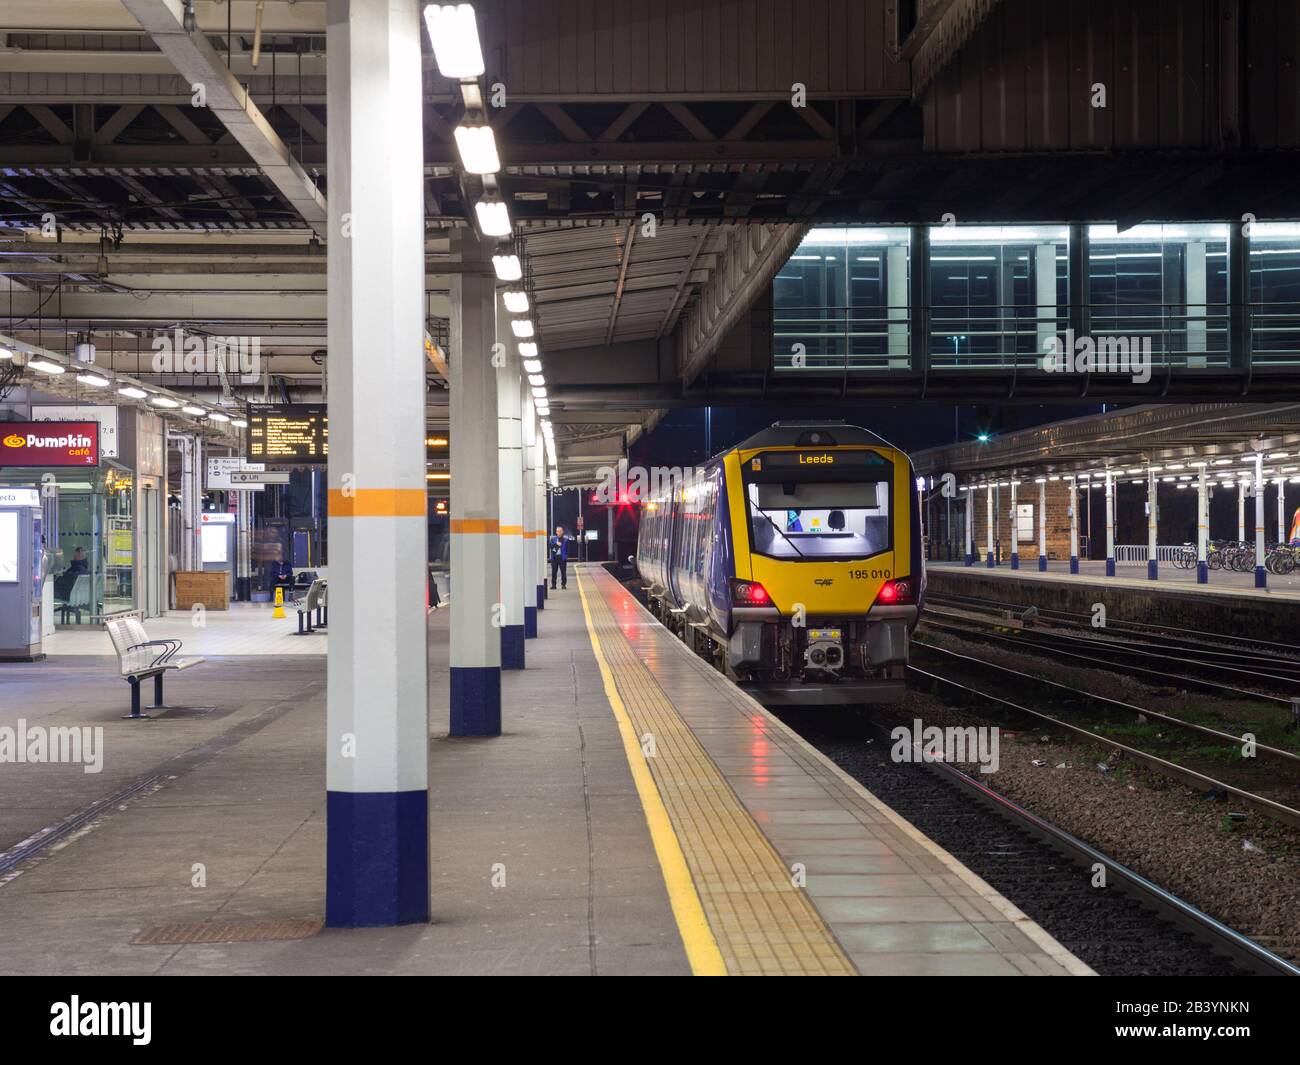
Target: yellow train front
793,562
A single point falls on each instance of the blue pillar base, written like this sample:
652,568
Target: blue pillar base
546,591
1153,569
989,561
1110,567
512,647
541,596
970,559
530,622
1202,573
1074,563
476,700
1015,560
1261,577
1042,563
376,858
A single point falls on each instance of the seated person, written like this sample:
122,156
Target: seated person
281,575
66,581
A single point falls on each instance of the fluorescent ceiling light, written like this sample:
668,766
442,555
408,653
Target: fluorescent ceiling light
45,366
93,379
217,416
532,365
516,301
5,353
536,379
493,218
131,392
522,327
507,267
453,32
528,349
164,401
539,392
198,412
239,423
478,149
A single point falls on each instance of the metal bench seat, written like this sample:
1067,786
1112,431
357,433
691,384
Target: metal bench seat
139,657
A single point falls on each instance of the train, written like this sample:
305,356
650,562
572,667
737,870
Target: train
793,562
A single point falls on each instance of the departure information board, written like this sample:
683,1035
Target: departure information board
288,434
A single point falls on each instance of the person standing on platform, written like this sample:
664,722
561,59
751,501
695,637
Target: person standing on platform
559,554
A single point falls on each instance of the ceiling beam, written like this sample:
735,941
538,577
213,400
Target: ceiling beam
199,63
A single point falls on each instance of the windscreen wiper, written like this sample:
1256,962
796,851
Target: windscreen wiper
749,505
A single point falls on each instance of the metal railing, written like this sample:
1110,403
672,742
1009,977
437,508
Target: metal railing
1137,554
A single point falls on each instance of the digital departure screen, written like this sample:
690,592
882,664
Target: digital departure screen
288,433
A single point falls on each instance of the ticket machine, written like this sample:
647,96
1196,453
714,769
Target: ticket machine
21,559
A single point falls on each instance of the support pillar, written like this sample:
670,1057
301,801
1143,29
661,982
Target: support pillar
1153,517
531,520
377,831
1202,528
969,513
1241,508
1074,525
510,473
1042,524
475,520
542,494
1110,524
1261,574
1015,527
1282,530
988,499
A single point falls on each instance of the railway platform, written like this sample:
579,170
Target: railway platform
638,814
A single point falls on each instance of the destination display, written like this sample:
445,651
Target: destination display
288,433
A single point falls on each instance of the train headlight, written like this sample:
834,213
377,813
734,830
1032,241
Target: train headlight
750,593
895,592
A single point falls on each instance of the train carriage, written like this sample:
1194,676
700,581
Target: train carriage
793,562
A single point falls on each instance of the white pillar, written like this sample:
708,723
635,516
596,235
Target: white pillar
970,525
1074,525
377,738
1261,574
1015,527
1042,524
1110,523
1153,517
1281,510
510,472
1241,508
1045,290
1202,528
475,519
988,500
1194,272
532,523
897,309
542,494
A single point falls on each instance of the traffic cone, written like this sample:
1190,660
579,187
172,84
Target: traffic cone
278,612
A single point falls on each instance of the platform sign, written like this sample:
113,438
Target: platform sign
251,478
49,444
288,434
222,467
105,414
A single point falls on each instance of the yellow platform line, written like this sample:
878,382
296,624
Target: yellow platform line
724,872
701,948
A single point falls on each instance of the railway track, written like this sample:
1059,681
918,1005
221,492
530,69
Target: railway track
1132,927
1193,640
1281,812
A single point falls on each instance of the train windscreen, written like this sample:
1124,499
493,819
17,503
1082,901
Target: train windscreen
819,510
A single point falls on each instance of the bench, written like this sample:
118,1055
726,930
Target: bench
139,657
316,599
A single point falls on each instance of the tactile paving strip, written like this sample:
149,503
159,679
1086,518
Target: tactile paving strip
251,931
763,924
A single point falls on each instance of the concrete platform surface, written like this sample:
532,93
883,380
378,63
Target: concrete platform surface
638,815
